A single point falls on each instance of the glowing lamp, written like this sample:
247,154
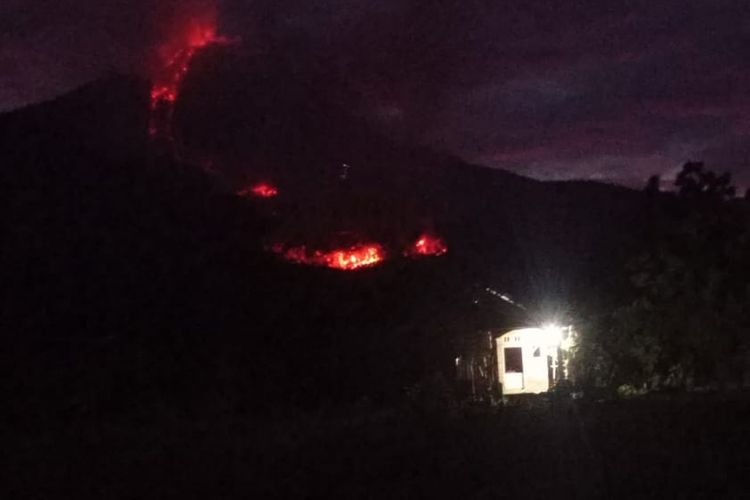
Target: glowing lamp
554,332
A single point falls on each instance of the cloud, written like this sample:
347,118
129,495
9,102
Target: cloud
552,88
611,94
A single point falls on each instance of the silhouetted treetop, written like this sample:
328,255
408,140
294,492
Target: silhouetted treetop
694,181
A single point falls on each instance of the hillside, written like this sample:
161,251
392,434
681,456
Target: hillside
146,276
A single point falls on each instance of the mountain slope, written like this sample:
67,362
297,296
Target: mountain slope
123,266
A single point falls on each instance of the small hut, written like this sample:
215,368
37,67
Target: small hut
531,360
527,360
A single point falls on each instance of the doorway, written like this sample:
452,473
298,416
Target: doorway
513,361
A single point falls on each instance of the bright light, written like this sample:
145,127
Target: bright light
554,331
561,336
552,328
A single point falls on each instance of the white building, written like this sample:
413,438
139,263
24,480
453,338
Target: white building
530,360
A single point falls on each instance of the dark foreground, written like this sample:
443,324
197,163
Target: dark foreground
655,447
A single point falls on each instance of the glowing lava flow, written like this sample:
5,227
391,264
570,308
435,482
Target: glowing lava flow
174,61
427,245
260,190
345,259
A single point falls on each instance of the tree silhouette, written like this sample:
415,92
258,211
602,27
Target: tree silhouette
653,185
694,181
684,322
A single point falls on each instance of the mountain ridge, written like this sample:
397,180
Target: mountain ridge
108,236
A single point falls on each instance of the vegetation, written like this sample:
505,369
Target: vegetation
665,447
683,319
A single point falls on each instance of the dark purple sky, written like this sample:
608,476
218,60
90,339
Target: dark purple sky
554,89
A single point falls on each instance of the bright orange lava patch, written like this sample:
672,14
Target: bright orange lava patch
427,245
345,259
174,61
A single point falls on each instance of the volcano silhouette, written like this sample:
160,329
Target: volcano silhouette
109,236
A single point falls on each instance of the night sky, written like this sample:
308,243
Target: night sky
606,90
